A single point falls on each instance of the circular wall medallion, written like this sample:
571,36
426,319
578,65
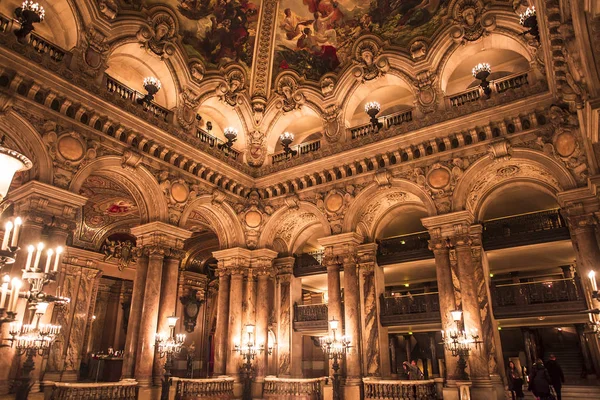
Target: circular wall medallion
253,219
179,192
70,148
334,202
565,144
439,178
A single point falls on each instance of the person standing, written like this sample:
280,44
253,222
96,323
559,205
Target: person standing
515,381
415,373
556,375
539,381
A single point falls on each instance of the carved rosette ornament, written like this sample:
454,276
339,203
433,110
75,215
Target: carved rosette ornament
158,37
197,71
253,216
230,91
471,21
370,64
418,50
327,84
287,89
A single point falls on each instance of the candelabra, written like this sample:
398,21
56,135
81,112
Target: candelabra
31,340
248,350
152,86
529,20
335,347
28,14
459,343
482,71
372,108
286,139
230,134
168,346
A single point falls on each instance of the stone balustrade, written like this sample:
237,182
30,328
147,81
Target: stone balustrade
296,389
124,390
399,390
216,388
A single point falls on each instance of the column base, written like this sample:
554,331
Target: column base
238,389
482,389
257,388
458,390
149,393
439,388
145,381
498,385
352,389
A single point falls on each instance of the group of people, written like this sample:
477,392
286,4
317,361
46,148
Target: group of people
542,379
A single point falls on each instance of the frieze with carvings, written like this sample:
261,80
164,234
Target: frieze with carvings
178,193
124,252
471,21
253,215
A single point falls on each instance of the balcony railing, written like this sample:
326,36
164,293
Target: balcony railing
123,390
4,23
394,119
132,95
216,388
308,264
399,390
310,317
301,149
41,45
532,228
415,308
293,389
501,85
542,298
212,141
404,248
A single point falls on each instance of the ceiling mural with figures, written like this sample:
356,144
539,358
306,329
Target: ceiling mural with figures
315,37
216,31
109,206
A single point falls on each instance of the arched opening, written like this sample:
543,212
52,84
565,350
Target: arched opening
217,116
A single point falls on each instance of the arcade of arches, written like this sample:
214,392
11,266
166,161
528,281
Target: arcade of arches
453,196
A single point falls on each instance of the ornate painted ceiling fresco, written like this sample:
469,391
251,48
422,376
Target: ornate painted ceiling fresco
315,37
216,31
110,208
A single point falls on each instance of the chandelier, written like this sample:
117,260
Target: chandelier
528,19
230,134
248,349
152,86
11,162
168,346
335,346
372,108
286,139
482,72
28,14
35,338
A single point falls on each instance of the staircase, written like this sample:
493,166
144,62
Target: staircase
571,362
571,393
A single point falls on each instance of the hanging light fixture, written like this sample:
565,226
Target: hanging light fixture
286,139
230,134
28,14
482,72
11,162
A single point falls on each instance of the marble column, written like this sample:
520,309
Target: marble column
352,319
235,320
375,342
149,319
221,334
478,360
135,315
435,367
168,304
285,331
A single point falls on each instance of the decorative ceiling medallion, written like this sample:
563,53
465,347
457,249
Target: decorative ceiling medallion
439,178
71,148
180,192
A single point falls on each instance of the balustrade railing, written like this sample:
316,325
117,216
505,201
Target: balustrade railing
398,118
132,95
216,388
301,149
41,45
399,390
538,227
123,390
544,297
511,82
213,141
4,23
293,389
390,120
310,312
414,308
404,248
308,263
500,85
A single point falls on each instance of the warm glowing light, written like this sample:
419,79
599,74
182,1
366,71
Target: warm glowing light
230,132
456,315
530,12
172,321
35,7
333,324
41,307
592,276
286,137
249,328
152,81
480,68
372,105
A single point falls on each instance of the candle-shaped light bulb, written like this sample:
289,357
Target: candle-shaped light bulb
30,250
38,255
592,276
7,229
15,236
49,253
4,290
14,295
59,251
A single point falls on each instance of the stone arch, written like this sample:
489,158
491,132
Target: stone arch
218,217
370,207
141,183
21,133
289,226
525,167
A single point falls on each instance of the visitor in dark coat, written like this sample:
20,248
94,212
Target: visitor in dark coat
540,381
556,375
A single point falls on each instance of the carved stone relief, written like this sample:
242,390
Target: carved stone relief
230,91
369,63
471,21
159,36
291,97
